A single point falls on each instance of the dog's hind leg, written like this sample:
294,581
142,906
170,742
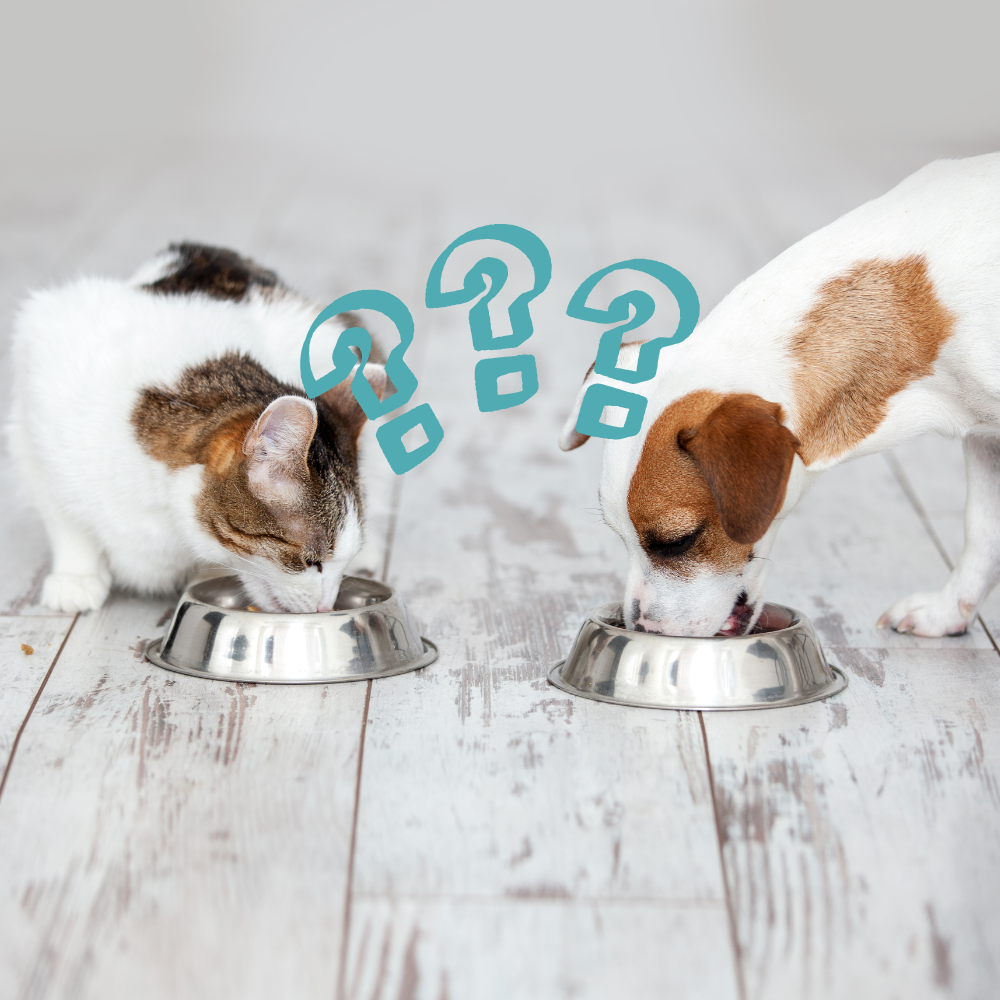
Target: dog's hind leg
949,610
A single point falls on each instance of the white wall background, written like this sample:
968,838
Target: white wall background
588,91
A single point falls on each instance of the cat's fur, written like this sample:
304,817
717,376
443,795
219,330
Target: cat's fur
159,424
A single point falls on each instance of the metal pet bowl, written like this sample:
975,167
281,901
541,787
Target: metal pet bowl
780,663
369,633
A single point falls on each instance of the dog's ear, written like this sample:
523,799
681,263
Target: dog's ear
745,454
569,437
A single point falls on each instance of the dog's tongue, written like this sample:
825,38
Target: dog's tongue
739,618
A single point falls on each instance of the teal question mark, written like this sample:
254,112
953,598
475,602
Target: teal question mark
389,435
599,395
483,338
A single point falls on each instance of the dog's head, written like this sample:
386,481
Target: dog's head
695,500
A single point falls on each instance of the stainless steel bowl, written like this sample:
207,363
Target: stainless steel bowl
781,663
369,633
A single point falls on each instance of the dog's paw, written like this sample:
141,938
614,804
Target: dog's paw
929,615
74,592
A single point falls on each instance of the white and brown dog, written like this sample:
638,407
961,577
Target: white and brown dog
882,326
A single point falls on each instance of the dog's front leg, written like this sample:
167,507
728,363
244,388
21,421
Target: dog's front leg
949,611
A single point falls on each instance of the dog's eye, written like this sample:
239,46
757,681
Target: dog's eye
663,548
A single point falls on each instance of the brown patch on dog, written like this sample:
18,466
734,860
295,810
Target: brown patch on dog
205,418
745,454
668,496
873,331
714,461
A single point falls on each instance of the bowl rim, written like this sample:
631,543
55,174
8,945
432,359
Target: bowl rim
187,596
837,686
152,653
798,620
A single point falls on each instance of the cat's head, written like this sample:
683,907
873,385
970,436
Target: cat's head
279,499
290,507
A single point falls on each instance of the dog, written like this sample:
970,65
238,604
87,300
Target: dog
882,326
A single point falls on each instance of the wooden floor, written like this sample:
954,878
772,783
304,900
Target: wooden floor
469,831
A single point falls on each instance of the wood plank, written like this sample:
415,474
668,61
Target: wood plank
217,193
196,835
480,781
49,216
856,848
852,547
168,836
477,947
24,670
861,836
933,469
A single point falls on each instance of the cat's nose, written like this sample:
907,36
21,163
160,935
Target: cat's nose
325,606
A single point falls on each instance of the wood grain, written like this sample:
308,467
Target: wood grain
27,648
168,836
551,816
853,546
162,836
861,836
932,469
445,948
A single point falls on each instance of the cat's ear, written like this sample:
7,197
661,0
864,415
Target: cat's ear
344,407
278,445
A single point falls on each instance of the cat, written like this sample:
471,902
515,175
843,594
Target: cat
158,424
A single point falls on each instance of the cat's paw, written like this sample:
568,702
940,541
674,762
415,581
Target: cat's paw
72,592
929,615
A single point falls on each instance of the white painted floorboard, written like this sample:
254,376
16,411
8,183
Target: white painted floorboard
162,836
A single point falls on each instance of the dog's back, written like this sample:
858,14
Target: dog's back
879,327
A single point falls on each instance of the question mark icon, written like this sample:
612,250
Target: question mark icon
489,370
599,395
390,434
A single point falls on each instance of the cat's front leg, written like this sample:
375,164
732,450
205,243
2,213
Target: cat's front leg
80,578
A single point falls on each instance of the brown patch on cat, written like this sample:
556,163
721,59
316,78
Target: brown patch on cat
221,273
873,331
204,420
214,271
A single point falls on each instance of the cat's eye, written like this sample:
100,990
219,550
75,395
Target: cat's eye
314,562
670,548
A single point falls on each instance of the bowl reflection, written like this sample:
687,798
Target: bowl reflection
779,663
213,633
